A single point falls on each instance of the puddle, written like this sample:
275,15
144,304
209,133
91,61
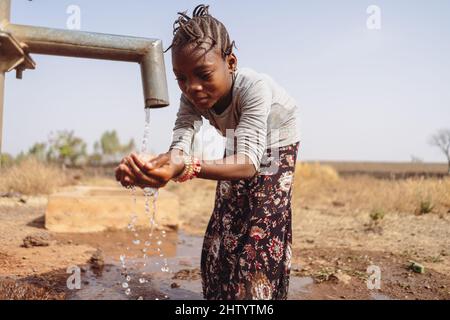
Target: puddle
379,296
299,286
182,282
181,251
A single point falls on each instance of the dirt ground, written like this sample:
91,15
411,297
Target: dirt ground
331,239
332,250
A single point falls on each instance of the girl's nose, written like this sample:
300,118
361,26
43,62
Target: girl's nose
193,86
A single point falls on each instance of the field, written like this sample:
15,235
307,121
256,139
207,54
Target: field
346,217
389,169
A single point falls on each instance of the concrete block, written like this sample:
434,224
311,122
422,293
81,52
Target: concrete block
83,209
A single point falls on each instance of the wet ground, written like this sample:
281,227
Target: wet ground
181,282
147,280
318,274
320,269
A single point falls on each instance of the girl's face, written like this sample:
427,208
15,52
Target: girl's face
203,75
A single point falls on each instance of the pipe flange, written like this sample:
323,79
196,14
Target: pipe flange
13,55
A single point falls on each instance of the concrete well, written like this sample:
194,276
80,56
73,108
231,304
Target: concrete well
83,209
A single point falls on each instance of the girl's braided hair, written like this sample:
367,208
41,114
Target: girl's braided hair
201,28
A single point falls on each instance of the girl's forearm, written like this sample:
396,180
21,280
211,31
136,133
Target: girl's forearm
234,167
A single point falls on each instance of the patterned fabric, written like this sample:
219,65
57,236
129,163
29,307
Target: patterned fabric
246,251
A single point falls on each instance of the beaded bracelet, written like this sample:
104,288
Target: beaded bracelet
192,167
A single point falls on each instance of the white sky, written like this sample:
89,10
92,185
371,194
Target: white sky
364,94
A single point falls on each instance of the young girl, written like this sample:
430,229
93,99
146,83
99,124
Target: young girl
246,251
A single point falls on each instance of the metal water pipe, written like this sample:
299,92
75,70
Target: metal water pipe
17,42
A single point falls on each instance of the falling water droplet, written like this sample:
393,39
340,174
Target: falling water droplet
125,285
165,269
136,241
127,292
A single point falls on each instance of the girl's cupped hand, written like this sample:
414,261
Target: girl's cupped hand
152,173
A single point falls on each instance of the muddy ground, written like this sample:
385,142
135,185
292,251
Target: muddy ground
330,258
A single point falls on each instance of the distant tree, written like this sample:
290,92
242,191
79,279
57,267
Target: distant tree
96,157
97,148
109,147
442,140
6,160
109,143
66,148
127,148
20,157
39,151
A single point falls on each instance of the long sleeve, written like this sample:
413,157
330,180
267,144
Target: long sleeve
251,132
188,122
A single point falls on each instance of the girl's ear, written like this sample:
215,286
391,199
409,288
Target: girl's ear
232,62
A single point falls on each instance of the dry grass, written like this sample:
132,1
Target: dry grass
387,167
99,181
316,172
32,177
310,182
321,184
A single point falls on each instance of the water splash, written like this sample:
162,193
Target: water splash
145,152
132,228
149,193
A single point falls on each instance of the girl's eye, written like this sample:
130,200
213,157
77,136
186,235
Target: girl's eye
206,76
179,79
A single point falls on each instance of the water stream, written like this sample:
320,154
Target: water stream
151,195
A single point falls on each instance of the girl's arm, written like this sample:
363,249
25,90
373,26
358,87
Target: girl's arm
234,167
159,171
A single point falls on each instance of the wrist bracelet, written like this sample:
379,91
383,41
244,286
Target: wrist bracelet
192,168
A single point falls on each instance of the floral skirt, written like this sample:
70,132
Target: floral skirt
246,251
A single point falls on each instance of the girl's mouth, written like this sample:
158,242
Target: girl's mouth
201,100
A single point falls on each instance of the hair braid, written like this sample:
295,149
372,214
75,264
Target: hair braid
201,28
